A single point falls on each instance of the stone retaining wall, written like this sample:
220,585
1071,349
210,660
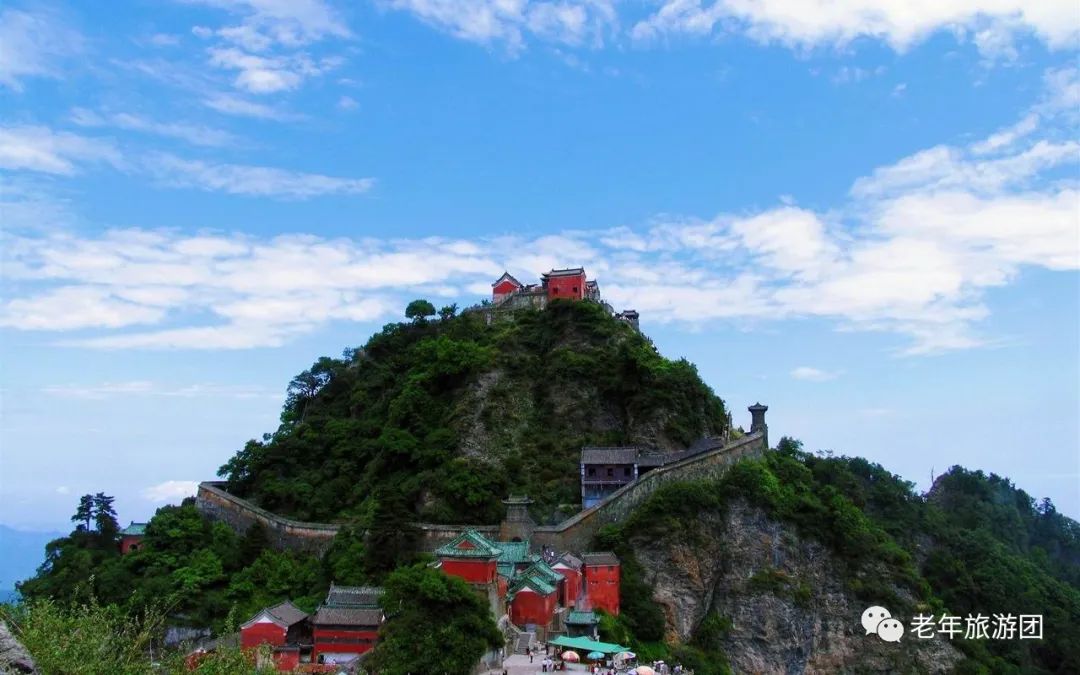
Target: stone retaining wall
574,534
577,532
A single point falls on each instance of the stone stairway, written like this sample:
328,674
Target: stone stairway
524,641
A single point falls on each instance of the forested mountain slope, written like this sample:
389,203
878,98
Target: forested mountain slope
454,414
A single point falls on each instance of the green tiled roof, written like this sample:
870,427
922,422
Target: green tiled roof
505,569
134,530
514,552
539,585
577,618
543,570
469,544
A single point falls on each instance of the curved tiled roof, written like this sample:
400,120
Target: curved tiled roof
469,544
353,596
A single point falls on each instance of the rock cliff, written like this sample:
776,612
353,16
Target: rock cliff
774,599
14,659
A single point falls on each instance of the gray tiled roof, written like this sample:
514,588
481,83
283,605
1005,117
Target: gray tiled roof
612,455
508,277
288,613
347,616
600,558
353,596
567,272
570,561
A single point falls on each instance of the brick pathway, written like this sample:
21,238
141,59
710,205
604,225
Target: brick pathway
518,664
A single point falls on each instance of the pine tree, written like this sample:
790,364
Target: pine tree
105,516
84,513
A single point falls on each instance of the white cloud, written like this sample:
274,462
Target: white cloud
109,390
913,252
347,103
171,490
571,22
40,149
191,133
289,22
74,308
251,180
239,107
36,148
991,24
812,374
268,74
33,44
163,40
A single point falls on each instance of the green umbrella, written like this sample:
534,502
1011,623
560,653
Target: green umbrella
596,656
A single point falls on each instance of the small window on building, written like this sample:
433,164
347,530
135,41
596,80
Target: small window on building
592,471
611,472
626,471
575,289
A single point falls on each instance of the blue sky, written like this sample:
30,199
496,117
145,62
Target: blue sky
864,216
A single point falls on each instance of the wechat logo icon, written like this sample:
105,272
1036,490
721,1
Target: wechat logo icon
879,621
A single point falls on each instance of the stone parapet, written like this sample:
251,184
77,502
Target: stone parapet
573,534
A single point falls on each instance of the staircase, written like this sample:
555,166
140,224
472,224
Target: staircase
524,641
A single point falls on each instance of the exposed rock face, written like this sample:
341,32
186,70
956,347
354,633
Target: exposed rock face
13,656
789,610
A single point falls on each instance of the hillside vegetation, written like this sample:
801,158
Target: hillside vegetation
455,414
792,547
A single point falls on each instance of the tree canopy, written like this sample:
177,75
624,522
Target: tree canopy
435,624
454,414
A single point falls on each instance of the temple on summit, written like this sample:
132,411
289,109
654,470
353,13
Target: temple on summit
571,283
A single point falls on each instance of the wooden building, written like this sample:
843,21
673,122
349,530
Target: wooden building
604,470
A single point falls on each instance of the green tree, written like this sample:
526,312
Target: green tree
448,312
419,310
435,624
391,537
88,638
85,512
105,517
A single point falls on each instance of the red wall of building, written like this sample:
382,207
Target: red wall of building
571,587
322,645
257,634
532,608
476,571
287,660
503,288
126,544
602,587
563,287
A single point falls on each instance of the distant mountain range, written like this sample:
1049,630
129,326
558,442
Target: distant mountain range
23,552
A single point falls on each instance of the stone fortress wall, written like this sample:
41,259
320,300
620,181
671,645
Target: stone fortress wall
573,534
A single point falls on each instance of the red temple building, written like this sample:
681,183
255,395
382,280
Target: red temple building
505,286
570,568
509,294
535,591
347,624
131,537
285,628
602,581
565,284
470,556
532,603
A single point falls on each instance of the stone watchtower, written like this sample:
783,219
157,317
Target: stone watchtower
757,421
517,525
